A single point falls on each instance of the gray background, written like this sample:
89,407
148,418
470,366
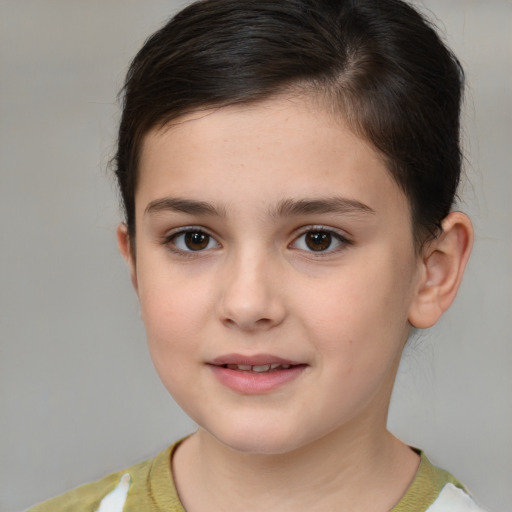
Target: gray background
78,395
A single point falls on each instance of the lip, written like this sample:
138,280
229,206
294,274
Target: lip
253,383
252,360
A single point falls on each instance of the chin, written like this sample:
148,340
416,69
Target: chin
259,439
257,446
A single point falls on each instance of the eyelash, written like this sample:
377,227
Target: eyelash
170,241
336,237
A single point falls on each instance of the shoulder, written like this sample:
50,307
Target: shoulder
130,489
435,490
454,499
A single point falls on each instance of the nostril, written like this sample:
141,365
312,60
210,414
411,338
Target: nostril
250,308
249,325
263,321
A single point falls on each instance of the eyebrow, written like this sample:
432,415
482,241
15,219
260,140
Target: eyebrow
340,205
190,206
285,208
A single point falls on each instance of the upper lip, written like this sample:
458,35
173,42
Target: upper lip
253,360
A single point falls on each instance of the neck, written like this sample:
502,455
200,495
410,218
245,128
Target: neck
335,472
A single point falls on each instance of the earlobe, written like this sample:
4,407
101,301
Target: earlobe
125,247
442,267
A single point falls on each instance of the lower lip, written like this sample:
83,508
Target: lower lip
253,383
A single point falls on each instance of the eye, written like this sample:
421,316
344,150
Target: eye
193,240
319,240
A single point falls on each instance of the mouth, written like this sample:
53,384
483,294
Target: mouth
259,363
255,374
259,368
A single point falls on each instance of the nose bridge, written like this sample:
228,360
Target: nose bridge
251,295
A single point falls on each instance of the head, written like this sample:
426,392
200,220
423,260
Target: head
287,170
378,66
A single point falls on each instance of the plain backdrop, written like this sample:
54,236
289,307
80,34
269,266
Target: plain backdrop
78,395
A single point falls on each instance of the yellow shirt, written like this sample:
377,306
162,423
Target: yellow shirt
149,487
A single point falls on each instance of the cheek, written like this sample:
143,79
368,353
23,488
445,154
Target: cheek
172,334
361,313
173,315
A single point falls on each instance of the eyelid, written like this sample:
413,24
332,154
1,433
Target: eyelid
343,238
168,238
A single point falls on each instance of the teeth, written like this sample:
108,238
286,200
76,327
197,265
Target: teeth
261,368
258,368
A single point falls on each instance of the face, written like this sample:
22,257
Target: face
275,269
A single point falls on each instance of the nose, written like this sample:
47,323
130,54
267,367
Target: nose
252,298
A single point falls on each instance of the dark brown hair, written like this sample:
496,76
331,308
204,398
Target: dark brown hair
378,63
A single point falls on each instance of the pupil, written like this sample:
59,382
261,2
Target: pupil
318,240
196,241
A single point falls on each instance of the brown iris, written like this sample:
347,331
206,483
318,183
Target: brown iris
196,241
318,240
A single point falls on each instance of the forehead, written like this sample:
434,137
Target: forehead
286,147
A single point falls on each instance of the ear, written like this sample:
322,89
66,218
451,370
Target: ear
442,265
125,247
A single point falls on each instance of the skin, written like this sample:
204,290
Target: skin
256,180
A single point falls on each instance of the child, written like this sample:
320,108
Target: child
288,171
